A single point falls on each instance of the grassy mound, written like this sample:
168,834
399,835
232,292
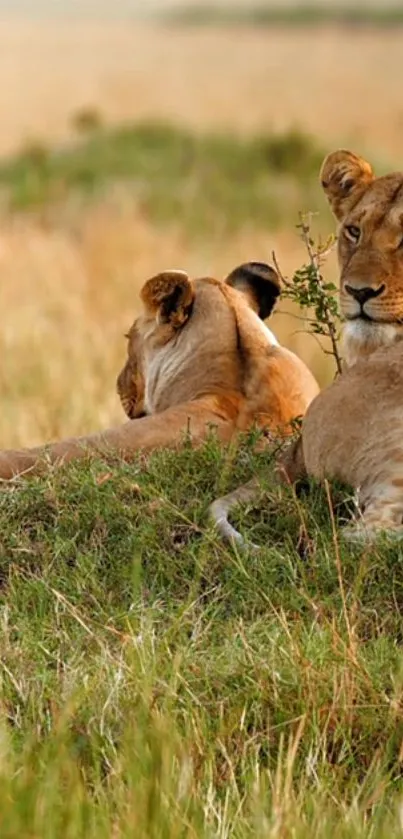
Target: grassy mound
157,684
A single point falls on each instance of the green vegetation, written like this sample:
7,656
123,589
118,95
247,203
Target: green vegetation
206,183
157,684
314,14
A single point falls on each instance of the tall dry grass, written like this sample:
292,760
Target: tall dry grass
340,85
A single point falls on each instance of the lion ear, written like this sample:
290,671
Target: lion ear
169,297
259,282
344,177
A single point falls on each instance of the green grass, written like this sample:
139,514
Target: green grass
208,183
310,14
154,683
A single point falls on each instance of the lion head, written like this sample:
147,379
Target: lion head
198,319
369,210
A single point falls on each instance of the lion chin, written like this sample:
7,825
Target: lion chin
353,430
361,337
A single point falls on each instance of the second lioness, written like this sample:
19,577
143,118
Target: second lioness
199,355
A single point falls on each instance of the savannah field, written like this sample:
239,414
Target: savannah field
70,270
154,683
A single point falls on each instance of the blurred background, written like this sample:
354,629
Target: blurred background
138,136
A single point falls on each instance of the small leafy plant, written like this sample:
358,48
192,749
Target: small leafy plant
311,292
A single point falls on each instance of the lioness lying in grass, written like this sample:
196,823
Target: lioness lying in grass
198,356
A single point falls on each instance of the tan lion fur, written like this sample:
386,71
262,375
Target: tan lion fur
198,356
353,430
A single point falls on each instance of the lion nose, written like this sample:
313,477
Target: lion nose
364,294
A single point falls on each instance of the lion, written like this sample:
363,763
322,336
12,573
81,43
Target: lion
352,431
199,356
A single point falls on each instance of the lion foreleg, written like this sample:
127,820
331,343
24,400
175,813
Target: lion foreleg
165,430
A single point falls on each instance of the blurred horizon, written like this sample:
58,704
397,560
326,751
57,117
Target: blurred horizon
133,9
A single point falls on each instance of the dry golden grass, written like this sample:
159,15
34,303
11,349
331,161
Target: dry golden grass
341,85
67,293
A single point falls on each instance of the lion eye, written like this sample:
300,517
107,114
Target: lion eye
352,232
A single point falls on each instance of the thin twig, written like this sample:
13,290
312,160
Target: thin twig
283,279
